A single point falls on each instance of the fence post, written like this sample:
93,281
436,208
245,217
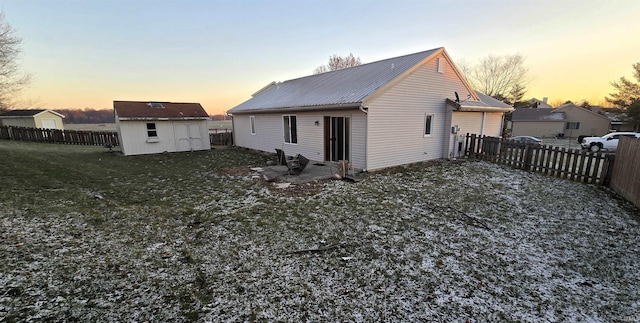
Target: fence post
607,168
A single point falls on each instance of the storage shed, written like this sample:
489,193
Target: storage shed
157,127
33,118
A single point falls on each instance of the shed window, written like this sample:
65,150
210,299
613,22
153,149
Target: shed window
428,125
252,120
151,130
290,129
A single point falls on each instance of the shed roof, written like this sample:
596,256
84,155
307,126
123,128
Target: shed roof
144,110
27,113
341,88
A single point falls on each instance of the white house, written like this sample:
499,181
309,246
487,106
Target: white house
396,111
156,127
39,118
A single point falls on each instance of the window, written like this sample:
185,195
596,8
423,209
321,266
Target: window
252,120
290,129
428,125
573,125
151,130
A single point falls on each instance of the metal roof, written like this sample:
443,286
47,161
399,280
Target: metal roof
341,88
134,110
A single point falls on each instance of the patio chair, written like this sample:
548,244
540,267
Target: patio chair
295,165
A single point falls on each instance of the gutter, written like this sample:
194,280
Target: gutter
298,108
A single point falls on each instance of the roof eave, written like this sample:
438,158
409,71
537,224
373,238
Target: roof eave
161,119
459,106
340,106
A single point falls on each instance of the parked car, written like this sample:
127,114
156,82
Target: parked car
608,142
526,140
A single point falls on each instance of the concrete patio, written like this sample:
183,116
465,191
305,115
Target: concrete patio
315,171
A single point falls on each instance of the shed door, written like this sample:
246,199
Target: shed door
49,124
187,136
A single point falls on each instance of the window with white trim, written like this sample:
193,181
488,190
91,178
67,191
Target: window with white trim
152,132
290,129
428,125
252,121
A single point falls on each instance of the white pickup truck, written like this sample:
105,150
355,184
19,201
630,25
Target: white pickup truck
608,142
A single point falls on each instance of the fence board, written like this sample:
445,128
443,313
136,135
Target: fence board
571,164
625,175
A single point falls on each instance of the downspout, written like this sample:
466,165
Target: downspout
233,128
366,136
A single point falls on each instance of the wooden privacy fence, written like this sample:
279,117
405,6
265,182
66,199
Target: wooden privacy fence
71,137
221,138
572,164
97,138
625,178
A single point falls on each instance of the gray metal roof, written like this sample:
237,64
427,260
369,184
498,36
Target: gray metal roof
492,101
341,88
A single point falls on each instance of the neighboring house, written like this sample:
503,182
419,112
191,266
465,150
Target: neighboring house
156,127
618,122
396,111
583,122
541,122
567,120
40,118
540,104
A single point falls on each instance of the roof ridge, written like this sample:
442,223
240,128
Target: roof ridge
362,65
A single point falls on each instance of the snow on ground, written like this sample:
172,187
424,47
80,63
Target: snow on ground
453,242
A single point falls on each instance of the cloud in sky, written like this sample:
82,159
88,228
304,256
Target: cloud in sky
87,53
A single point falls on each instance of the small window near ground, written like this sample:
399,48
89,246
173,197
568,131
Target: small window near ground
428,125
290,129
573,125
252,120
151,130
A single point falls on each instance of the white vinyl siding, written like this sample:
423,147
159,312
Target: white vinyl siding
396,118
310,136
134,140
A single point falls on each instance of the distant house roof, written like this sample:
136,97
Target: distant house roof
567,106
540,114
347,87
27,113
142,110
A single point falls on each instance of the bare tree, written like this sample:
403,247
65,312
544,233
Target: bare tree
501,77
12,80
338,62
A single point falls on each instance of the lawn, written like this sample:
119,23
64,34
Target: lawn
89,235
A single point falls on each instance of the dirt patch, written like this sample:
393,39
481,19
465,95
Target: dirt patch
298,190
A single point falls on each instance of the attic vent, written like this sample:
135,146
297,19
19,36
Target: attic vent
440,63
155,105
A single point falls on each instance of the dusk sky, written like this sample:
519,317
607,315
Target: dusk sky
88,53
